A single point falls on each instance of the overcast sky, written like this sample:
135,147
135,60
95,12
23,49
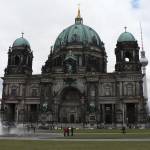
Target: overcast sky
43,20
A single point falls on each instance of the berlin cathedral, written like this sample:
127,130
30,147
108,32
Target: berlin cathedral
74,86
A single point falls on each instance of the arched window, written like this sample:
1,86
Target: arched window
128,57
34,92
47,91
107,91
13,91
92,91
129,89
17,60
27,60
80,61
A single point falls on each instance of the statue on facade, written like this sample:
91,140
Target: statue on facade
92,108
44,107
69,68
70,63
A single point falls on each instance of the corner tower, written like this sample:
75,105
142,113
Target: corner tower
127,54
19,58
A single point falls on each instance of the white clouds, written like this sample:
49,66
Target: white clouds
43,20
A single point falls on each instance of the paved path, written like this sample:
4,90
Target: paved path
76,140
31,136
98,140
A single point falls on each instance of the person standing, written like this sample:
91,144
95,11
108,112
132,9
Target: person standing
65,130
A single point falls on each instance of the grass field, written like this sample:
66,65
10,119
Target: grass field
109,134
54,145
112,134
85,145
103,131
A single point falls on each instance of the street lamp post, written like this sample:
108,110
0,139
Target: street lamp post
123,114
83,111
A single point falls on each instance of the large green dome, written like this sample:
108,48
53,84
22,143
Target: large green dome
77,34
126,37
21,42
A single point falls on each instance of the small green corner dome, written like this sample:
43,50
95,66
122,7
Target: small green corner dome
77,34
21,42
126,37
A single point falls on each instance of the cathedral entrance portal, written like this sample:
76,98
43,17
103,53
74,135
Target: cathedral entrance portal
72,118
131,116
108,113
11,112
70,107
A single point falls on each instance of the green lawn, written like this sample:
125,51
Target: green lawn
112,131
84,145
52,145
108,134
102,131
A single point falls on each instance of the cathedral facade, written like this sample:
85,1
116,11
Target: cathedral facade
74,86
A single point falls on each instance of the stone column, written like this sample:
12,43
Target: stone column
112,113
83,109
120,89
141,88
123,113
98,114
17,116
136,113
56,113
103,114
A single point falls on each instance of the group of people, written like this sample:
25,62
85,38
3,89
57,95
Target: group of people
68,131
